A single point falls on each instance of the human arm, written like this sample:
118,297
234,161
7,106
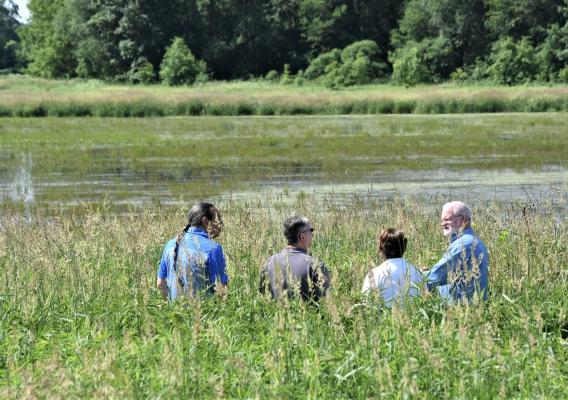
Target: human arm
218,266
438,274
321,280
374,280
263,279
161,282
367,282
162,285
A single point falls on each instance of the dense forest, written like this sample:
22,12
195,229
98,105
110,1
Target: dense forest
335,42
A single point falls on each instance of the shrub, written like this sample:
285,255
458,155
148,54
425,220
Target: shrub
287,78
142,72
422,62
409,66
563,75
552,53
299,80
320,65
356,64
359,64
202,75
272,76
179,66
512,62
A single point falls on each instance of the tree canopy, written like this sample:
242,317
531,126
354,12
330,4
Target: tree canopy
8,37
509,41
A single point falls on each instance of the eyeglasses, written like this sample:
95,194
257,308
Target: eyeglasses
448,219
306,230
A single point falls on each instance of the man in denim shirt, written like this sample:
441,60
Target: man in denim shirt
194,263
462,272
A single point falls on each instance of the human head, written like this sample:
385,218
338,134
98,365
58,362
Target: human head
391,243
206,216
455,216
298,231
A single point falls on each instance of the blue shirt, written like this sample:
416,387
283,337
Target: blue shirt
464,268
200,264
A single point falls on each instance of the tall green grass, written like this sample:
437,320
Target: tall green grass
80,317
33,97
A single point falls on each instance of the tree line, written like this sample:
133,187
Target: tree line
334,42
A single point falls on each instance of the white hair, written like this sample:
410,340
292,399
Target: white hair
458,208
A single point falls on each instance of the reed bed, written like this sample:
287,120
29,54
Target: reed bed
33,97
80,317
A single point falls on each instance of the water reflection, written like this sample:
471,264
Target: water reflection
21,184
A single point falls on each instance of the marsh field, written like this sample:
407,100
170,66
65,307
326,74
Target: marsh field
24,96
164,161
87,204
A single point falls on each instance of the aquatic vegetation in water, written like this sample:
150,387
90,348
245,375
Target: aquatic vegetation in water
149,160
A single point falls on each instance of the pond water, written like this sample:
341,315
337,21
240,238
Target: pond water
547,184
506,158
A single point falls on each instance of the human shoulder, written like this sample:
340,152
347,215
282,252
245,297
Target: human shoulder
380,273
170,244
271,260
216,245
385,267
465,239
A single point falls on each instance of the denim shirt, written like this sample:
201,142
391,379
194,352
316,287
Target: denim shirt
464,268
200,264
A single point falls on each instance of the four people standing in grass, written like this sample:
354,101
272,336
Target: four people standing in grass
194,263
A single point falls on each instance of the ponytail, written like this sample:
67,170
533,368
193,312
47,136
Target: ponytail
176,252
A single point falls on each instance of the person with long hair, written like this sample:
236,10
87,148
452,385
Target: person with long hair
193,263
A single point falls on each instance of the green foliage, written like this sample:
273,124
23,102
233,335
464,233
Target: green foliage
300,79
513,62
272,76
534,34
409,67
450,33
360,65
48,41
563,75
287,77
356,64
552,53
93,59
97,52
524,18
8,27
422,62
179,66
108,39
142,73
335,24
323,64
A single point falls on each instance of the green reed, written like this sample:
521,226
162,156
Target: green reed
80,315
24,96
